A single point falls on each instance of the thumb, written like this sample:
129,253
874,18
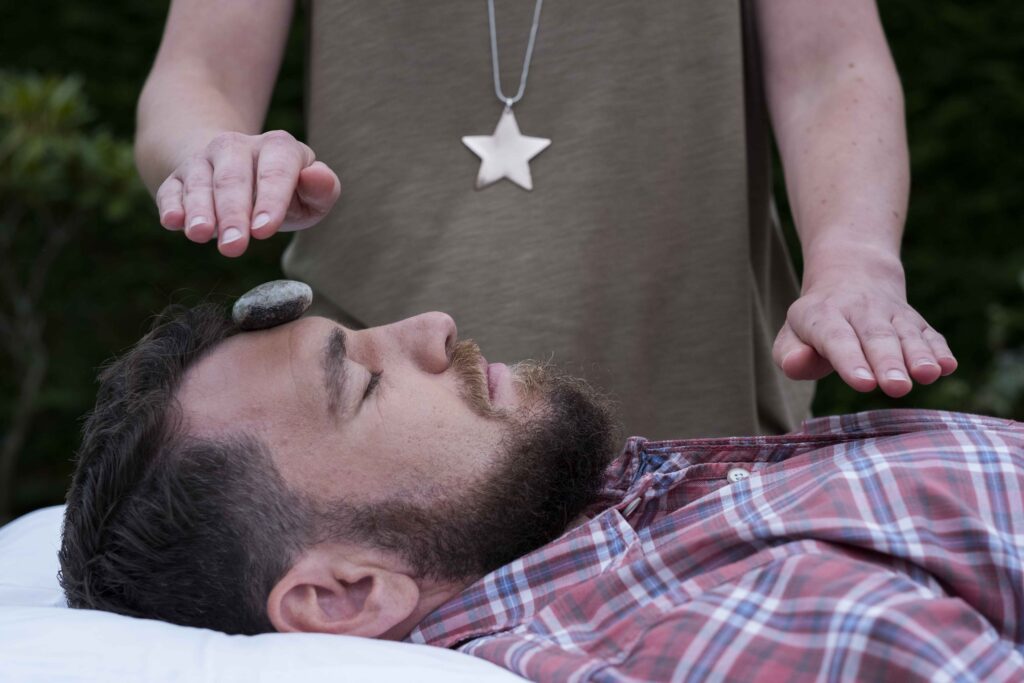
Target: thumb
797,359
318,187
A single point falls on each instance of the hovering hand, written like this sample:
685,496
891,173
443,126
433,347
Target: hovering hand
858,323
242,185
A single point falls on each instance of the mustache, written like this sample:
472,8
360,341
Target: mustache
532,377
466,362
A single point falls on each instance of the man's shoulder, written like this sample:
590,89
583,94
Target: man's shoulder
825,442
901,420
866,424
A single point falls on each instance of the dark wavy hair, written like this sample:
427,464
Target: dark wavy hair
166,525
163,525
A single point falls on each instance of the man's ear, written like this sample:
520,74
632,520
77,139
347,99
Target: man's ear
329,591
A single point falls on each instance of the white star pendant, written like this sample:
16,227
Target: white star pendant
506,154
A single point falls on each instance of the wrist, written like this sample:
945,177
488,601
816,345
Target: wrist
827,261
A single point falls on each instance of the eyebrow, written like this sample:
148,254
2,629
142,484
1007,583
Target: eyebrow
332,361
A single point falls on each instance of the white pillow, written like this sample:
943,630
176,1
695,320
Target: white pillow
42,640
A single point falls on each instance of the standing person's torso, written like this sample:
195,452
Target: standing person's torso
644,258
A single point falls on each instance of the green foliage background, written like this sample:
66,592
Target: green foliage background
962,66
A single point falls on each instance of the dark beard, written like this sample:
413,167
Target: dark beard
551,468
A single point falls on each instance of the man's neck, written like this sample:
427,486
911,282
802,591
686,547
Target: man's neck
579,521
435,594
432,596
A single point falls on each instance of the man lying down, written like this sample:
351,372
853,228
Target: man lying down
390,483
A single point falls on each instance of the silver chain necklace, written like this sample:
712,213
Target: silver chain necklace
507,153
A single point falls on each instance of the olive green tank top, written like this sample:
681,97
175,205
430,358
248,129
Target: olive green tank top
647,257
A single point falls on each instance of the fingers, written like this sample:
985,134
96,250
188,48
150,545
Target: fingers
937,343
917,352
798,360
232,158
319,187
884,350
169,204
197,197
281,160
826,329
243,186
317,191
866,340
925,355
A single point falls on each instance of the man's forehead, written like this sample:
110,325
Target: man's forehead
243,351
249,367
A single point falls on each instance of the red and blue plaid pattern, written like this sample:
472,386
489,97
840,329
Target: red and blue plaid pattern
881,546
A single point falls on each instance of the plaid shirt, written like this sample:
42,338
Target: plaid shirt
881,546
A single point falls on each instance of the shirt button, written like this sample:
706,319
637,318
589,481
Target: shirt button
737,474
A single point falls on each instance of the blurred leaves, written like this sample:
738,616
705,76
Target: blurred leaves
54,176
121,266
1002,391
84,265
50,162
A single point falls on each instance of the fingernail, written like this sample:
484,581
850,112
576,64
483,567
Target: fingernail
896,376
261,220
231,235
924,361
863,373
196,221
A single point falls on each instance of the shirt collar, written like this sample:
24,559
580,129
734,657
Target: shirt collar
512,594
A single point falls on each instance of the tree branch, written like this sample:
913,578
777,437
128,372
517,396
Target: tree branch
23,335
28,393
11,217
7,332
58,233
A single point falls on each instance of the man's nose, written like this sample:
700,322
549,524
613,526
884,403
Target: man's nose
430,337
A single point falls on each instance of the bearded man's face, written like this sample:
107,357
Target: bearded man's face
406,439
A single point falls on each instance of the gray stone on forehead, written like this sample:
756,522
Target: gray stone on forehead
272,303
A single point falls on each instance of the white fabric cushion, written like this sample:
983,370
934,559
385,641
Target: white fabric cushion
42,640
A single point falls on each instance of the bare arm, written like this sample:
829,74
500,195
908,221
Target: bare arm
836,106
214,72
837,111
198,143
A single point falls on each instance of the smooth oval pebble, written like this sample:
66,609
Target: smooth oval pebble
272,303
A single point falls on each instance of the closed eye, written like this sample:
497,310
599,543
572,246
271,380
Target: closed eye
371,386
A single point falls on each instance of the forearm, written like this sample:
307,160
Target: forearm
837,110
179,112
843,145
